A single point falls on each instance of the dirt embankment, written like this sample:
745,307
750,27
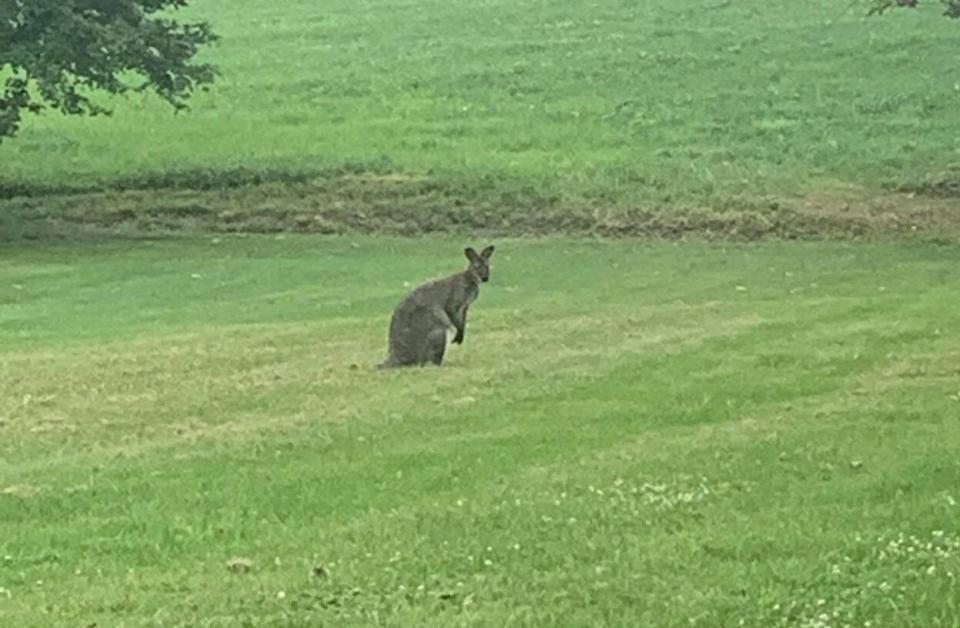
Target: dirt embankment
393,204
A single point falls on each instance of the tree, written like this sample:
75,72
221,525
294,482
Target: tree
56,53
951,8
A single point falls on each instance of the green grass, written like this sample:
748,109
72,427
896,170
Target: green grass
632,434
610,103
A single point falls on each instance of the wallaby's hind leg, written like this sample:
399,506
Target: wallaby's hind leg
436,345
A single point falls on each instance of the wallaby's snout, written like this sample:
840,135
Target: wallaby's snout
418,328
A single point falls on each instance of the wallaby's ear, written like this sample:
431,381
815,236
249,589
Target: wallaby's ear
471,254
487,252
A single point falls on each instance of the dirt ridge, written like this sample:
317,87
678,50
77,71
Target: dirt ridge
403,206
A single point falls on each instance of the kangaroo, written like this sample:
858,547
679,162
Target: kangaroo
418,328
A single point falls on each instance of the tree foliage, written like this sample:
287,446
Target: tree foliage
951,8
56,53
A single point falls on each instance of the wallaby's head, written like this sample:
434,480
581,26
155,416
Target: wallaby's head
480,262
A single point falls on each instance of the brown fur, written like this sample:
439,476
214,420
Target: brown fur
418,328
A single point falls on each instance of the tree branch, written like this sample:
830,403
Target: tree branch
58,51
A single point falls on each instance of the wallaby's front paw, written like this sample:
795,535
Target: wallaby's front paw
458,339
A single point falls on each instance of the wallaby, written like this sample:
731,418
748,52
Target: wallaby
418,329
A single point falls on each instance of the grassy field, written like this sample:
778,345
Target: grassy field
633,434
524,105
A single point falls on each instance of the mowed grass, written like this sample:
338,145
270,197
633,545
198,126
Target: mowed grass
632,434
608,103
